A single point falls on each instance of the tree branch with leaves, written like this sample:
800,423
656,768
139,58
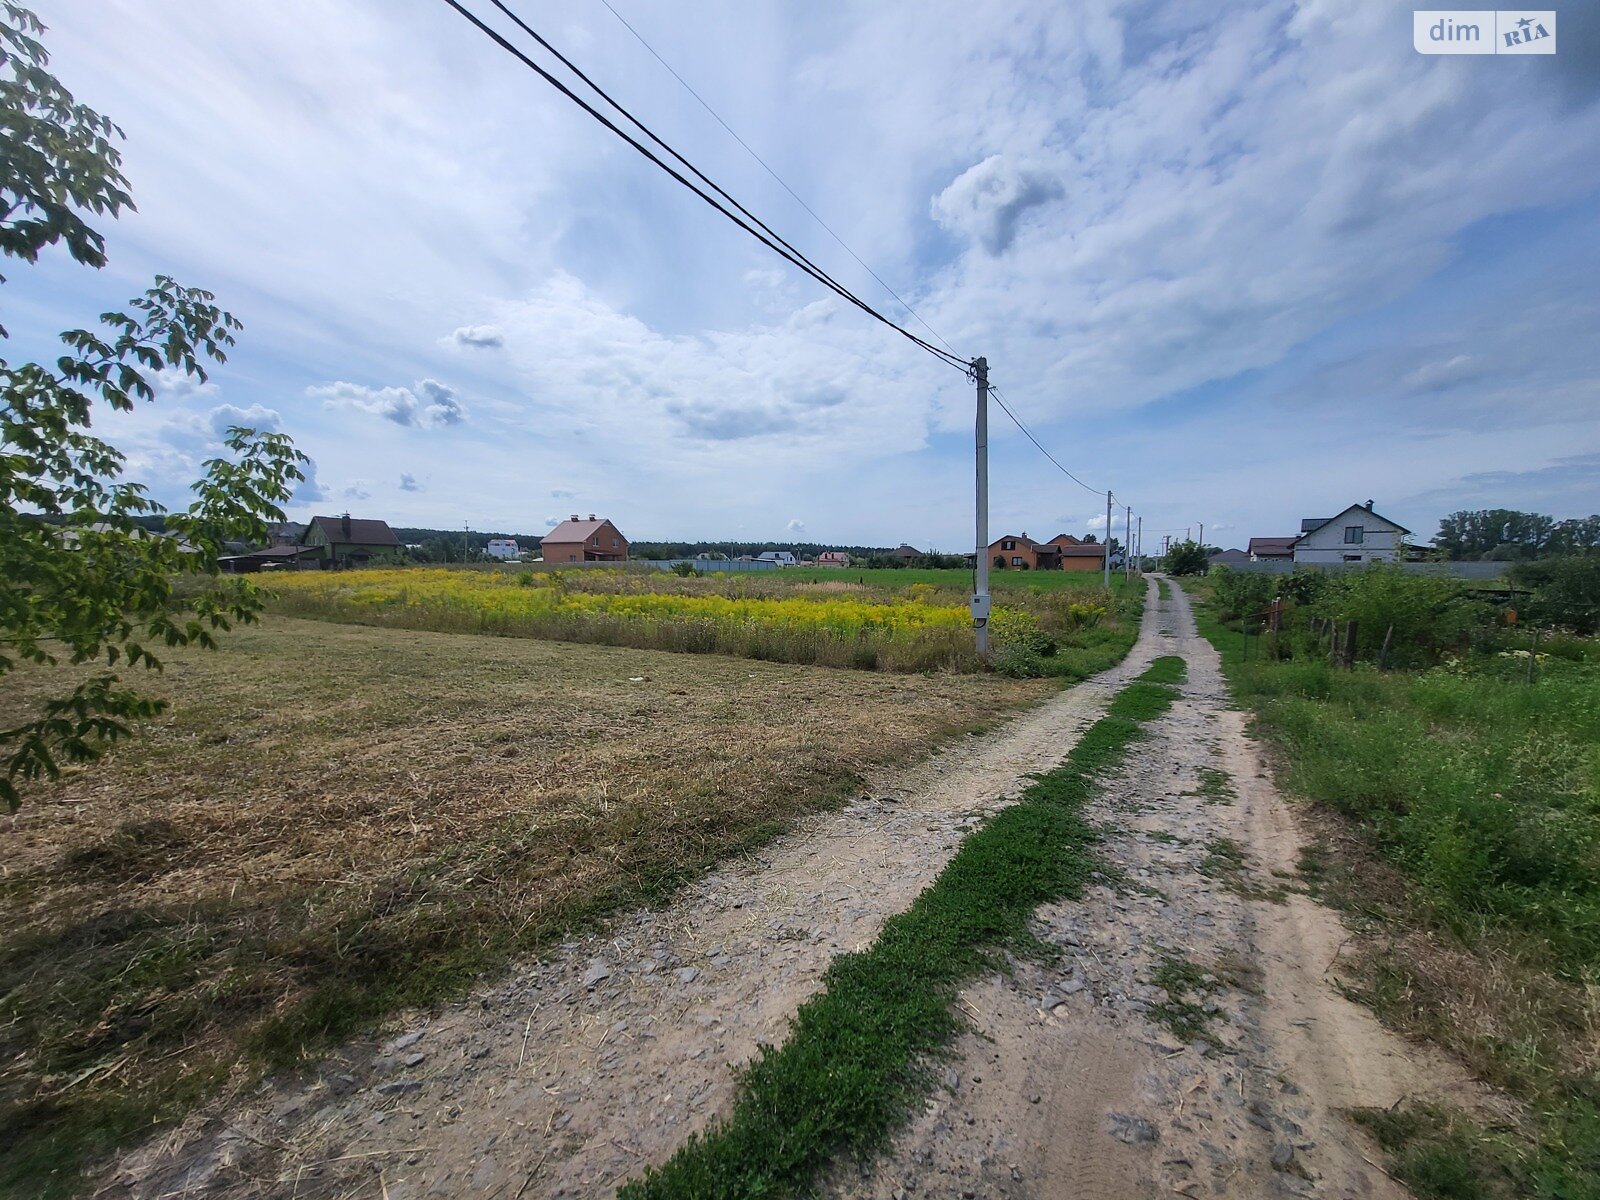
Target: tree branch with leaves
81,581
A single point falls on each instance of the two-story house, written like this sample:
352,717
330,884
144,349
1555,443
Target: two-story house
593,540
1357,535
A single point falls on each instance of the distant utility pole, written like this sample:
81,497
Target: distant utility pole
1138,540
1106,551
1202,535
465,527
980,591
1127,541
1166,544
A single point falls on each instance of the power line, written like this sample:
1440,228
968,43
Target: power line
716,116
755,227
1017,421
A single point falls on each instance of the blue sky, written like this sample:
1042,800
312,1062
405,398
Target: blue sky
1242,263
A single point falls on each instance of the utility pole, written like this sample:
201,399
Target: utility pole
1106,551
1127,541
465,528
1138,540
1202,535
1166,547
980,591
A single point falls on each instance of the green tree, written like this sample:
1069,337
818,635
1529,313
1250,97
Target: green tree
1186,558
82,580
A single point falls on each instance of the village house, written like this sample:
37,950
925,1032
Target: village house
344,541
1266,549
778,558
1061,553
833,558
502,548
1357,535
905,553
592,540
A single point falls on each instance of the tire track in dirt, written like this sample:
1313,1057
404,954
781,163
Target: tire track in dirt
576,1071
1084,1077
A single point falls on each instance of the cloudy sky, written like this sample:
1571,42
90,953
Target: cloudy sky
1241,263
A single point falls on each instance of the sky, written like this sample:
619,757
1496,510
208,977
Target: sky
1239,263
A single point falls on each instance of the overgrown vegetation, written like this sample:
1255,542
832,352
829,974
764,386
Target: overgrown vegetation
921,624
1186,1009
1473,780
294,853
856,1057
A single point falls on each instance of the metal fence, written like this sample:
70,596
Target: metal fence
1452,570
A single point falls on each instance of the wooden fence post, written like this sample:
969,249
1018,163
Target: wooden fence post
1350,630
1383,654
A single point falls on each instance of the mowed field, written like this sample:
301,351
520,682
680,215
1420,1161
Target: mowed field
334,822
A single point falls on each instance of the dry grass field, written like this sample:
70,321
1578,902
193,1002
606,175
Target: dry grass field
334,822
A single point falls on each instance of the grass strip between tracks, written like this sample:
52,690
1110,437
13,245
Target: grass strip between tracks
858,1053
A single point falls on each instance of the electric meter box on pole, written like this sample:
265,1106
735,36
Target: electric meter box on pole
980,608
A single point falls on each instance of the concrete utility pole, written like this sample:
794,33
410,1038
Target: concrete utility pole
1138,540
1202,535
1127,541
980,596
1166,547
1106,552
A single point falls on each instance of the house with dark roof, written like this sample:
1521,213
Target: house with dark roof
1262,549
906,553
1357,535
576,540
347,541
1061,553
1227,558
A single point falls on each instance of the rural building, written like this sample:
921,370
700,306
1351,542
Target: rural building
1266,549
502,548
1061,553
593,540
285,533
833,558
271,558
1085,556
1227,558
779,558
906,553
346,542
1357,535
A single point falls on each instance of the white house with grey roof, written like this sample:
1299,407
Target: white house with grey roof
1357,535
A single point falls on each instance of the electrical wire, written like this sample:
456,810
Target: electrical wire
753,226
1017,421
716,116
750,223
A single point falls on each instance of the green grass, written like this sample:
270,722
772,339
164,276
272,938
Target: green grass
1477,792
1187,988
856,1058
1164,589
1215,786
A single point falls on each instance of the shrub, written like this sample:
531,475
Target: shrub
1239,594
1566,590
685,570
1428,614
1186,558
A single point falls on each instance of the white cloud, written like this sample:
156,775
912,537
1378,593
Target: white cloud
429,404
262,420
357,491
480,337
796,525
408,483
987,201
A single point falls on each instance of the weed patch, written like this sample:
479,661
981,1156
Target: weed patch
1185,1010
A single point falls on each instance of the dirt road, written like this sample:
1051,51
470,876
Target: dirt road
569,1076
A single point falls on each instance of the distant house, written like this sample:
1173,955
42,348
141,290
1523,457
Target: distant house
833,558
502,548
272,558
344,541
1357,535
781,558
1061,553
1265,549
1084,556
1227,558
592,540
906,553
285,533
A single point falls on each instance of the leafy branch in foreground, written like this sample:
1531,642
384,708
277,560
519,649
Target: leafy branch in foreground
80,580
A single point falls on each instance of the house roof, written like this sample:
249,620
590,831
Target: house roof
1228,556
906,548
1282,546
1083,550
1312,524
1065,539
1020,538
574,530
362,532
